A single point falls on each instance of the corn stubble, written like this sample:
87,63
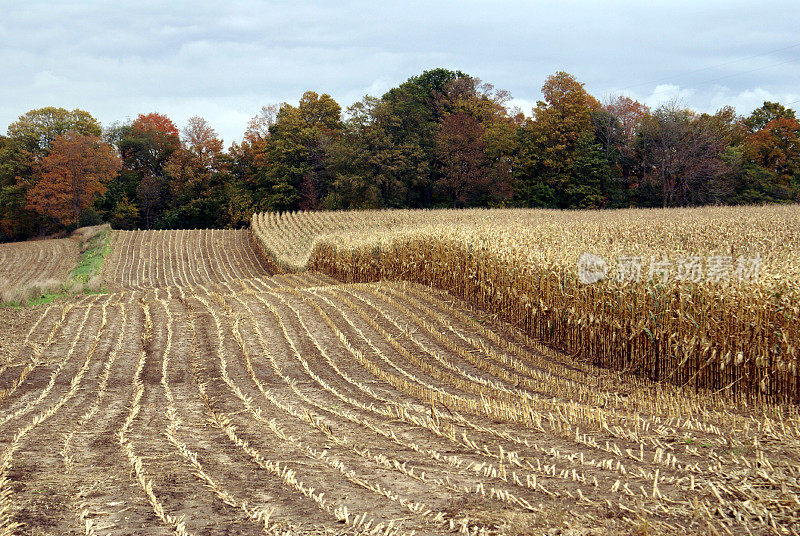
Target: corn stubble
205,395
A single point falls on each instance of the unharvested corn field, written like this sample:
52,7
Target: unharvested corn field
708,298
217,390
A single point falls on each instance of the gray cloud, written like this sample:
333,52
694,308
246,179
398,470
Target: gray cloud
224,60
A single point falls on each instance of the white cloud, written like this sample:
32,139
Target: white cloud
667,93
47,80
748,100
525,106
224,60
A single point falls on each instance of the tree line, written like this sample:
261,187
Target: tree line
441,139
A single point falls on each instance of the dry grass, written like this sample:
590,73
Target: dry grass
738,338
85,234
39,270
12,294
31,269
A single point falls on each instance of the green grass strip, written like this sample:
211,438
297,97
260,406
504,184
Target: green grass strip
91,260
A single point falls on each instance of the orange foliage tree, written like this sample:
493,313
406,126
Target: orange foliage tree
72,176
155,122
776,147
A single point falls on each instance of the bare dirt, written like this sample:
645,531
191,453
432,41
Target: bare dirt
205,396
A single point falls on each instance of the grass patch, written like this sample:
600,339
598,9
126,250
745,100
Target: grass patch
83,279
43,299
87,272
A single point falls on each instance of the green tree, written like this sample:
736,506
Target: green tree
146,145
295,172
38,128
239,205
16,176
125,214
409,115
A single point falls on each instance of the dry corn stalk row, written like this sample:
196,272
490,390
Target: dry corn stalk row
7,508
659,454
342,512
617,430
483,469
137,463
261,515
147,259
479,489
653,478
318,422
738,338
639,458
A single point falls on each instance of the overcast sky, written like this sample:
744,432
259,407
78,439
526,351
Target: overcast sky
224,60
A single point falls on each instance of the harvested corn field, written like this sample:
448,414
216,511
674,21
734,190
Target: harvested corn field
216,398
155,259
35,265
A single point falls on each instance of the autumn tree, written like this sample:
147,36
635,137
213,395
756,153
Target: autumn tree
125,214
202,141
74,173
562,117
248,158
197,175
296,173
461,151
558,162
40,127
28,142
776,148
146,145
199,155
616,124
767,112
474,139
148,142
682,155
258,125
390,152
246,164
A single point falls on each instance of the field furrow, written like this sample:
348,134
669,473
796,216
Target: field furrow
206,395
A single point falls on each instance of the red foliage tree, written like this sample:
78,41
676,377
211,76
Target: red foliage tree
155,122
152,139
